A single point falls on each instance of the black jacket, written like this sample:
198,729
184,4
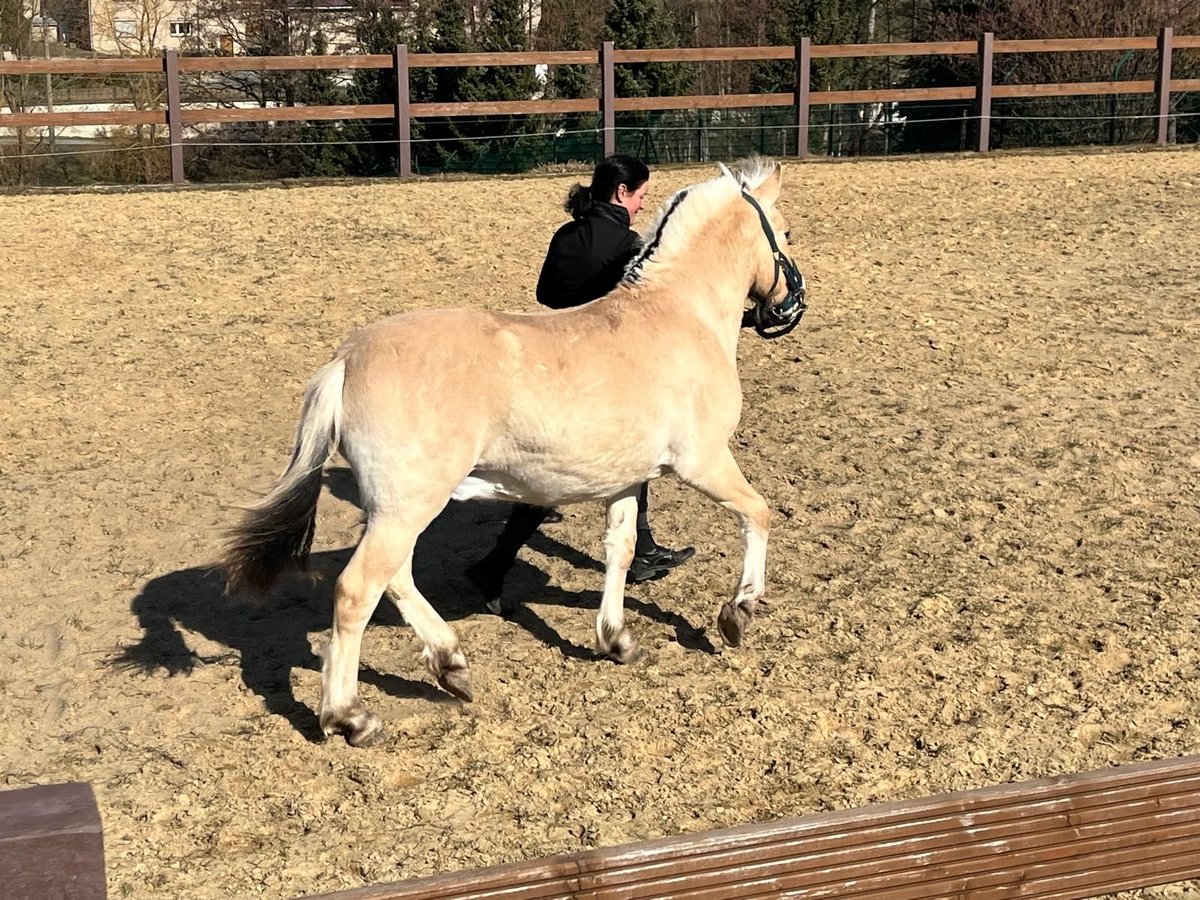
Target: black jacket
587,257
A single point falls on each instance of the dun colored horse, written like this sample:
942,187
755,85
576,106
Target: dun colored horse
545,408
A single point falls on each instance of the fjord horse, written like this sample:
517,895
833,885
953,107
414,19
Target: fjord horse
544,408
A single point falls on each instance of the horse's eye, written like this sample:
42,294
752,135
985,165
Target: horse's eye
787,235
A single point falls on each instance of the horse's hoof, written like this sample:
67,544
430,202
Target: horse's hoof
450,669
457,681
360,727
623,649
733,622
628,657
370,734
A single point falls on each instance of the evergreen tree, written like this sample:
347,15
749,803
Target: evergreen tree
449,36
323,149
571,82
578,140
1034,121
644,25
379,31
503,31
442,145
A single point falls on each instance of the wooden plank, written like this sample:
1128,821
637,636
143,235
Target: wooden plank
1029,878
1069,836
901,865
51,842
932,48
1184,84
706,101
828,98
284,63
288,113
1075,45
94,117
80,66
572,57
901,843
905,852
915,874
504,107
547,57
1126,879
384,111
703,54
1076,89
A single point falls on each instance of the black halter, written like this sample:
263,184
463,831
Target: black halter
776,321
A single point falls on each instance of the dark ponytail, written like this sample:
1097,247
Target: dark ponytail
612,171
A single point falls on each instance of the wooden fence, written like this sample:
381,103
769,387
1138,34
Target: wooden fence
1074,836
402,110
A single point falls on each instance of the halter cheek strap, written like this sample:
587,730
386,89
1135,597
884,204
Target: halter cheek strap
776,321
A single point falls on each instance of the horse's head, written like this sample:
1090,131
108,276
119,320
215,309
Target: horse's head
778,289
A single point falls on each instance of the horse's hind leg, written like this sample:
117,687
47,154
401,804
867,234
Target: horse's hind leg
442,655
720,478
612,637
383,550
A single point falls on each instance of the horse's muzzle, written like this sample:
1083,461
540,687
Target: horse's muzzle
774,320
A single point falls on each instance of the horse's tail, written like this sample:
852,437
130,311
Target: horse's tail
279,528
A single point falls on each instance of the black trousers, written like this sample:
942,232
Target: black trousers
523,521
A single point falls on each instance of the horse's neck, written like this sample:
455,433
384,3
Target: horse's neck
688,303
713,280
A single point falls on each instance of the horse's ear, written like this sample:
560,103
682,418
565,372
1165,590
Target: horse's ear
725,170
769,189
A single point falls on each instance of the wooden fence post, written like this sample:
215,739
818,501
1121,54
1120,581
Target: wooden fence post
983,96
803,88
403,112
1162,87
174,115
608,98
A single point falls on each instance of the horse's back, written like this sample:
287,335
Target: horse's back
559,405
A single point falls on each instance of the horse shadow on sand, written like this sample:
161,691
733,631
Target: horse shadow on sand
269,638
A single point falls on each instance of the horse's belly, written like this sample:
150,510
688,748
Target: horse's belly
485,486
550,486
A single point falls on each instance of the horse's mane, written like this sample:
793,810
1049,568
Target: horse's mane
685,213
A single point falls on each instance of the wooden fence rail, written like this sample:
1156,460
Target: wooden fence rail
1073,836
607,104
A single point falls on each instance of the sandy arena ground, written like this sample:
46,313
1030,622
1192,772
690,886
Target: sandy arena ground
980,449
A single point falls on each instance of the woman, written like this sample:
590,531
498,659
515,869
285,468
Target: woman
586,259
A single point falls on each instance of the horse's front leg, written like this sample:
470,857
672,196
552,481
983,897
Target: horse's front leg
612,637
720,478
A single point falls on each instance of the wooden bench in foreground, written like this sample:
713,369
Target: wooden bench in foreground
1079,835
51,844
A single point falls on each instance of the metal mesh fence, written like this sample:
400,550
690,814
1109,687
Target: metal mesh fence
510,145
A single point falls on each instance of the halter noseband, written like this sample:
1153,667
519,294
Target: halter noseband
776,321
